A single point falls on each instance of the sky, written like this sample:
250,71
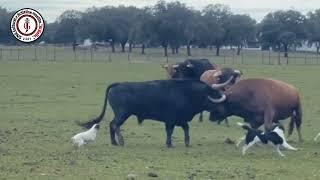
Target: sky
257,9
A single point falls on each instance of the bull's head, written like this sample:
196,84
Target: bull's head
226,77
171,70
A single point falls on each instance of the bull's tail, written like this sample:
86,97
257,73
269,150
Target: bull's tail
296,120
244,126
97,120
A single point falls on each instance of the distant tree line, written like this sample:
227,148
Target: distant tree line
172,25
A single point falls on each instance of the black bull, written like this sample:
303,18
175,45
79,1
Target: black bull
174,102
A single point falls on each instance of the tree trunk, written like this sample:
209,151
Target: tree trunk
173,51
218,50
318,48
142,49
112,46
188,49
239,49
130,47
286,50
123,47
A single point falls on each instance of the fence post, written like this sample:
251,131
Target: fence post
287,59
54,53
0,53
279,54
109,58
242,60
74,55
262,57
232,57
128,56
18,54
269,56
91,55
224,58
35,53
46,53
317,58
305,58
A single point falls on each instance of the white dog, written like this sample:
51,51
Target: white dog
85,137
315,139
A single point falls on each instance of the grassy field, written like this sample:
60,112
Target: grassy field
40,103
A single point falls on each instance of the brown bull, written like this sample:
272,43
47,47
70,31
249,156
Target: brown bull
262,101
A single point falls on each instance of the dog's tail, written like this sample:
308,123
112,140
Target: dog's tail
244,126
296,120
97,120
316,138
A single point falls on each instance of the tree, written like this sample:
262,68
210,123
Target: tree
240,29
5,33
283,29
215,17
143,28
313,26
66,26
169,24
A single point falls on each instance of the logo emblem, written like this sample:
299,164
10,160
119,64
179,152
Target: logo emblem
27,25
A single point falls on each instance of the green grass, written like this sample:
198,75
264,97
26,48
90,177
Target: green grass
40,103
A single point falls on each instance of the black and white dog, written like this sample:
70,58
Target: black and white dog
274,137
85,137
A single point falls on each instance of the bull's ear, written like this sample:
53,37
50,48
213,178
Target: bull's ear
164,66
189,65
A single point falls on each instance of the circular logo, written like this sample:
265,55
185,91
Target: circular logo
27,25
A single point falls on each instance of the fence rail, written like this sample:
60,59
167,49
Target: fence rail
66,54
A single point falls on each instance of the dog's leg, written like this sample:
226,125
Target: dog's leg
278,150
247,146
288,146
80,143
315,139
241,140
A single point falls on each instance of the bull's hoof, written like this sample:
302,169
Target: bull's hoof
169,146
188,145
114,143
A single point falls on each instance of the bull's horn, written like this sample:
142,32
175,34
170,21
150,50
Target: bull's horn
218,73
217,86
223,98
175,66
237,71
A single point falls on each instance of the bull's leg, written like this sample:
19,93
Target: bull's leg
112,133
185,128
119,136
227,122
169,130
201,117
115,128
268,119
